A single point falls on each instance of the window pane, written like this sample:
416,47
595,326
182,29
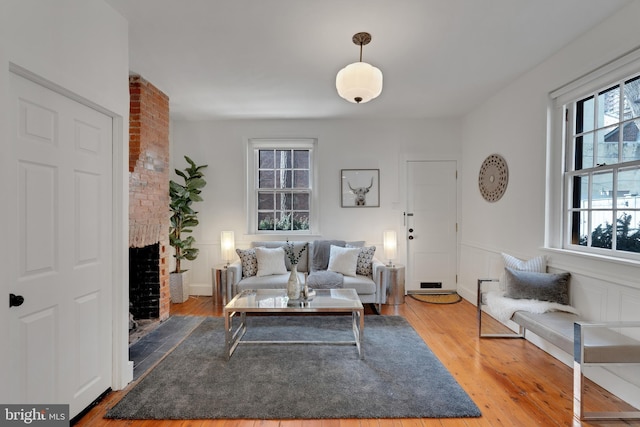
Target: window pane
301,179
301,159
265,201
584,151
283,201
629,187
283,159
301,201
266,159
580,226
608,107
602,229
283,179
607,140
283,221
300,220
628,234
580,192
602,191
584,115
265,221
266,179
631,141
632,98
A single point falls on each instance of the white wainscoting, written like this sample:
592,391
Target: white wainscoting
598,294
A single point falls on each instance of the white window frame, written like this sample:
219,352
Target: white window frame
560,155
254,145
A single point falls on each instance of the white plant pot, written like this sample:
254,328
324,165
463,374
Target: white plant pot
179,284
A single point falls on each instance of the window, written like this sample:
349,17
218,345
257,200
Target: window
602,170
281,186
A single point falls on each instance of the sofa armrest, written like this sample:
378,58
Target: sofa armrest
380,279
234,275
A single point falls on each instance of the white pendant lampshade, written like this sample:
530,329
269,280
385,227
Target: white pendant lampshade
227,245
359,82
390,244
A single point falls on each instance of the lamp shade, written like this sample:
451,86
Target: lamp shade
359,82
390,243
227,245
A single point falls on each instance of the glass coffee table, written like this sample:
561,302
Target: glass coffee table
276,301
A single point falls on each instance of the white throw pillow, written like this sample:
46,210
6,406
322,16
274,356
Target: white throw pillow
536,265
270,261
343,260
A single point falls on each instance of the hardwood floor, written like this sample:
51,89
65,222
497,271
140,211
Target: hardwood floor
513,382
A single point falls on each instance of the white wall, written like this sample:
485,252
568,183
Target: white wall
514,124
365,144
82,47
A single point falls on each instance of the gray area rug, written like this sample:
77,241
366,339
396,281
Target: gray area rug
400,377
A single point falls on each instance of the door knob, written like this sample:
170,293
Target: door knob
15,300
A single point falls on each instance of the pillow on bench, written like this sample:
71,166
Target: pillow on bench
538,286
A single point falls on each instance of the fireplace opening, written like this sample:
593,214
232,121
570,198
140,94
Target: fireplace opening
144,282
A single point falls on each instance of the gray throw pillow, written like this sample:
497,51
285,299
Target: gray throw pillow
539,286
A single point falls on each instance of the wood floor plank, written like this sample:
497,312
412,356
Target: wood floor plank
513,382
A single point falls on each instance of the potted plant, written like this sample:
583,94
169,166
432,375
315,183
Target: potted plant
183,219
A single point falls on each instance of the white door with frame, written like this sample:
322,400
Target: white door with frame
431,226
60,324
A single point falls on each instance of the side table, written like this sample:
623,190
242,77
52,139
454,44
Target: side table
219,274
395,279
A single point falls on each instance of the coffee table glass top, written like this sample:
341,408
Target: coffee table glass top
277,300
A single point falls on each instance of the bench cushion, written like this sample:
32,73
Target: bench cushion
554,326
602,345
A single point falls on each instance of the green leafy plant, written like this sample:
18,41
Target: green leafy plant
183,217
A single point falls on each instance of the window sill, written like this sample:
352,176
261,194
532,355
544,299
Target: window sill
605,268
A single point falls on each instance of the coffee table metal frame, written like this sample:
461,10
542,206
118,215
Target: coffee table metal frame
324,303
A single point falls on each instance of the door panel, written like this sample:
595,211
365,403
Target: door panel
61,336
432,213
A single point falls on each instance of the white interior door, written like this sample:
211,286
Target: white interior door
431,225
60,346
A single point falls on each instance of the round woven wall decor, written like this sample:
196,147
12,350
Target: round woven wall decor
493,178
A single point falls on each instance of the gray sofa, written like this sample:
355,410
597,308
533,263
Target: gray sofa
371,288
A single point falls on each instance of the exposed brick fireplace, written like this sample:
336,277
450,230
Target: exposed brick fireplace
148,200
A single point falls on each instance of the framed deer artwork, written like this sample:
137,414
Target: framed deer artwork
360,188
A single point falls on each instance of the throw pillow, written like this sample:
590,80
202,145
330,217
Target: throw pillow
538,286
364,265
320,252
537,264
270,261
343,260
249,262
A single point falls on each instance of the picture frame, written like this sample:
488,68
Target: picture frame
360,188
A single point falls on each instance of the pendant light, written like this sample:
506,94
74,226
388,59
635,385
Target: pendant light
359,82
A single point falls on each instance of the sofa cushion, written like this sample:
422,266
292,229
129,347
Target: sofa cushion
539,286
249,262
276,281
270,261
363,285
343,260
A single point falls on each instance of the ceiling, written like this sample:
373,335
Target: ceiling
275,59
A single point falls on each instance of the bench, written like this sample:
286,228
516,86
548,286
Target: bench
590,343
